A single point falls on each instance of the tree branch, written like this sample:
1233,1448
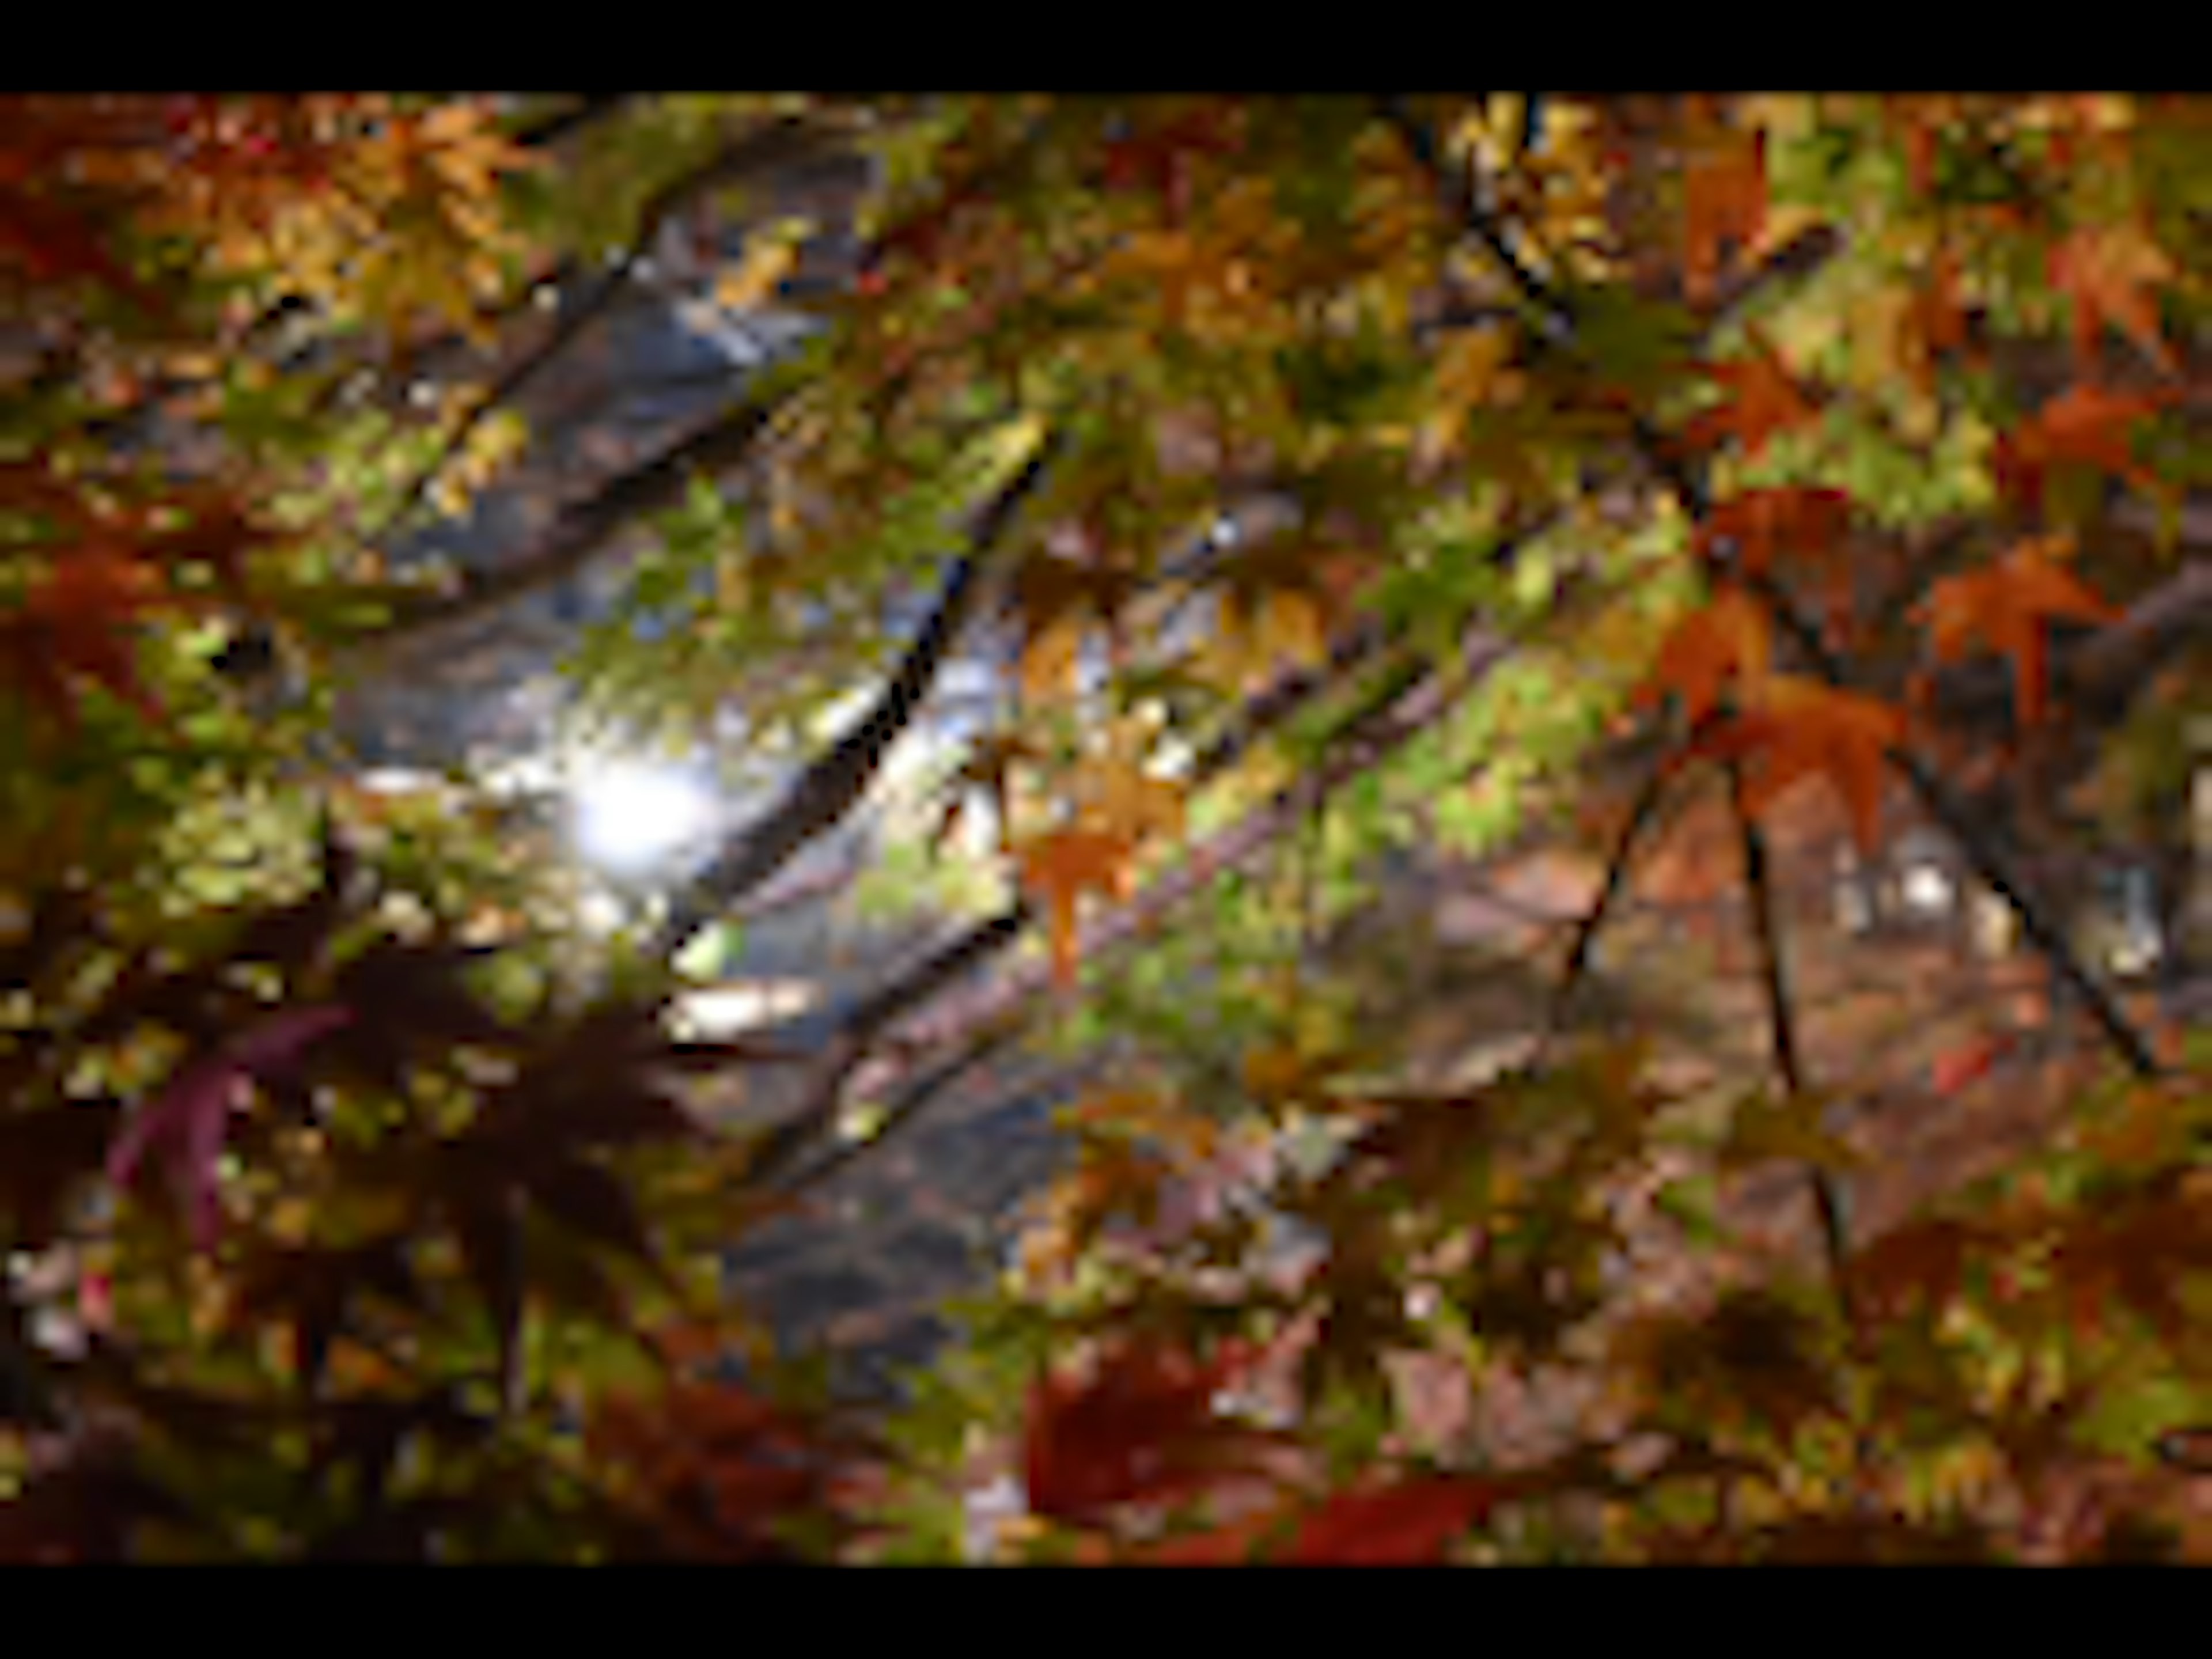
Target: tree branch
781,144
547,130
581,531
829,787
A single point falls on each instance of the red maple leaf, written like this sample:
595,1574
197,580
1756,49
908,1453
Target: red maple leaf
187,1119
1797,519
81,621
1143,1429
1411,1522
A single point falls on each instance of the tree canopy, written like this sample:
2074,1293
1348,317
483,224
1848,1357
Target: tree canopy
1583,723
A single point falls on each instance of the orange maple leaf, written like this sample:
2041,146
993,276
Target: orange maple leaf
1804,729
2083,426
2008,605
2111,272
1724,639
1063,864
1723,196
1762,398
1804,522
1937,318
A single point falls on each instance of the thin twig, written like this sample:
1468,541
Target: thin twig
1781,1033
1617,863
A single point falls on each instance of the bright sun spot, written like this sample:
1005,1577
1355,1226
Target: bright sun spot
628,817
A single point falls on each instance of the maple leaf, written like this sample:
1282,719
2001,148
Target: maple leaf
1951,1071
2008,605
187,1119
1159,160
1413,1521
1055,598
1804,728
2083,426
1255,636
1063,864
1763,1128
1473,369
2110,272
57,246
1120,798
1722,641
1723,197
81,621
1761,400
1797,519
1144,1429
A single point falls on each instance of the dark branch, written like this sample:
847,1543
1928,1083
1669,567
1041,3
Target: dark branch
1782,1030
558,127
829,787
778,146
584,529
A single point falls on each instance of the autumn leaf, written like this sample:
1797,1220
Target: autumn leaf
986,770
1955,1069
1473,369
2138,1254
1118,798
2008,605
1723,198
1144,1429
1722,642
753,280
1414,1521
1249,644
1799,521
81,621
57,246
1806,729
2110,272
187,1119
2084,426
1763,1128
1760,398
1057,600
1063,865
1927,1259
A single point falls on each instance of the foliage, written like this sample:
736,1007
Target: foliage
1732,442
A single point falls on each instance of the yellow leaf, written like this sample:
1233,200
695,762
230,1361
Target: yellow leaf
1050,661
1764,1130
1121,799
754,278
1471,371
